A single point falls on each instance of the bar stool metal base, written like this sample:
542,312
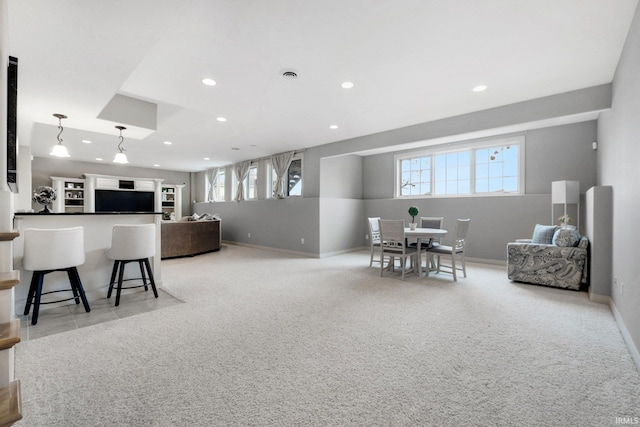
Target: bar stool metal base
118,268
35,292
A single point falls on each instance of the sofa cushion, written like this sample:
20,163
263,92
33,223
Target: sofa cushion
543,234
567,237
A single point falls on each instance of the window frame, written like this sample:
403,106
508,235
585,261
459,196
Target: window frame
271,178
217,186
471,146
246,188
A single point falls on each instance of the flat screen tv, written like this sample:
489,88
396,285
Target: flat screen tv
124,201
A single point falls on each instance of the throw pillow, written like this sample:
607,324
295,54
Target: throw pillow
543,234
566,237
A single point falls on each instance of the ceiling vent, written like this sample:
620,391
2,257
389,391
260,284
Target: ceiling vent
290,75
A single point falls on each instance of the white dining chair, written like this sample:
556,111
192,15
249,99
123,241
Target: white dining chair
456,252
393,245
374,237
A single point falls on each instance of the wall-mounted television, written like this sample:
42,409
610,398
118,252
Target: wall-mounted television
124,201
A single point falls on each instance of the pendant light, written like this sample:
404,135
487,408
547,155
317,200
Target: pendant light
59,150
120,156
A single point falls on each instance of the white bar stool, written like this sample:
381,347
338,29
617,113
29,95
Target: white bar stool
132,243
46,251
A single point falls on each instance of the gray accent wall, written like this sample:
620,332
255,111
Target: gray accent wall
279,224
341,205
352,187
42,169
618,166
551,154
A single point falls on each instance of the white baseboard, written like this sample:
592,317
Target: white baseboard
341,252
633,348
270,248
602,299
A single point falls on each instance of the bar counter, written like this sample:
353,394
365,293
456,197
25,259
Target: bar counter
96,270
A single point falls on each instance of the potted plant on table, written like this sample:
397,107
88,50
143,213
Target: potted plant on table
44,195
413,211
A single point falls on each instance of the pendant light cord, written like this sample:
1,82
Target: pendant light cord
60,133
120,143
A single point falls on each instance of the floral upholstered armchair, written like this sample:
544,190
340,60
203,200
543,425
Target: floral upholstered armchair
554,256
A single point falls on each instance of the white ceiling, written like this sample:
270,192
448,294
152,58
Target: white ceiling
412,61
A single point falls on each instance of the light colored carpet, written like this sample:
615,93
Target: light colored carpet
269,339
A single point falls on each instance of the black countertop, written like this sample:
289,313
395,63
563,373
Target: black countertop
83,213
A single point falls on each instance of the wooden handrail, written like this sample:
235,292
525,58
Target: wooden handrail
10,404
9,334
6,236
9,279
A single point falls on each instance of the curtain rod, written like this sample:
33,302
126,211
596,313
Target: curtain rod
262,158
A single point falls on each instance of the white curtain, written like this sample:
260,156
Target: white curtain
212,177
281,163
241,171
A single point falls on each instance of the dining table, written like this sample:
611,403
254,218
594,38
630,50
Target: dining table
421,234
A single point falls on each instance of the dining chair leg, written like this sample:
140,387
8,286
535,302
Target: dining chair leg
464,266
453,265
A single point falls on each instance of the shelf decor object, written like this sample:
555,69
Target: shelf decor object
59,150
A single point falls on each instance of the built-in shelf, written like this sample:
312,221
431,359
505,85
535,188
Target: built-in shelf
9,280
70,192
9,334
10,404
171,201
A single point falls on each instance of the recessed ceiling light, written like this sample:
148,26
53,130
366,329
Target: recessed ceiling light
333,127
168,143
209,82
86,141
235,149
221,119
347,85
207,158
99,159
156,165
480,88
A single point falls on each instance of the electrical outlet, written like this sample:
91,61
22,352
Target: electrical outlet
249,235
302,240
366,237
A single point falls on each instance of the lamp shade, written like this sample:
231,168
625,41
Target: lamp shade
565,192
120,158
59,150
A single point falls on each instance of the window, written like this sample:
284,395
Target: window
293,177
251,184
218,188
416,176
497,169
479,168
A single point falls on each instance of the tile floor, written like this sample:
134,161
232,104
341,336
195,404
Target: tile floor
65,318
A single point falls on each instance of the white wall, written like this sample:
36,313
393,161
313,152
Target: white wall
618,166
